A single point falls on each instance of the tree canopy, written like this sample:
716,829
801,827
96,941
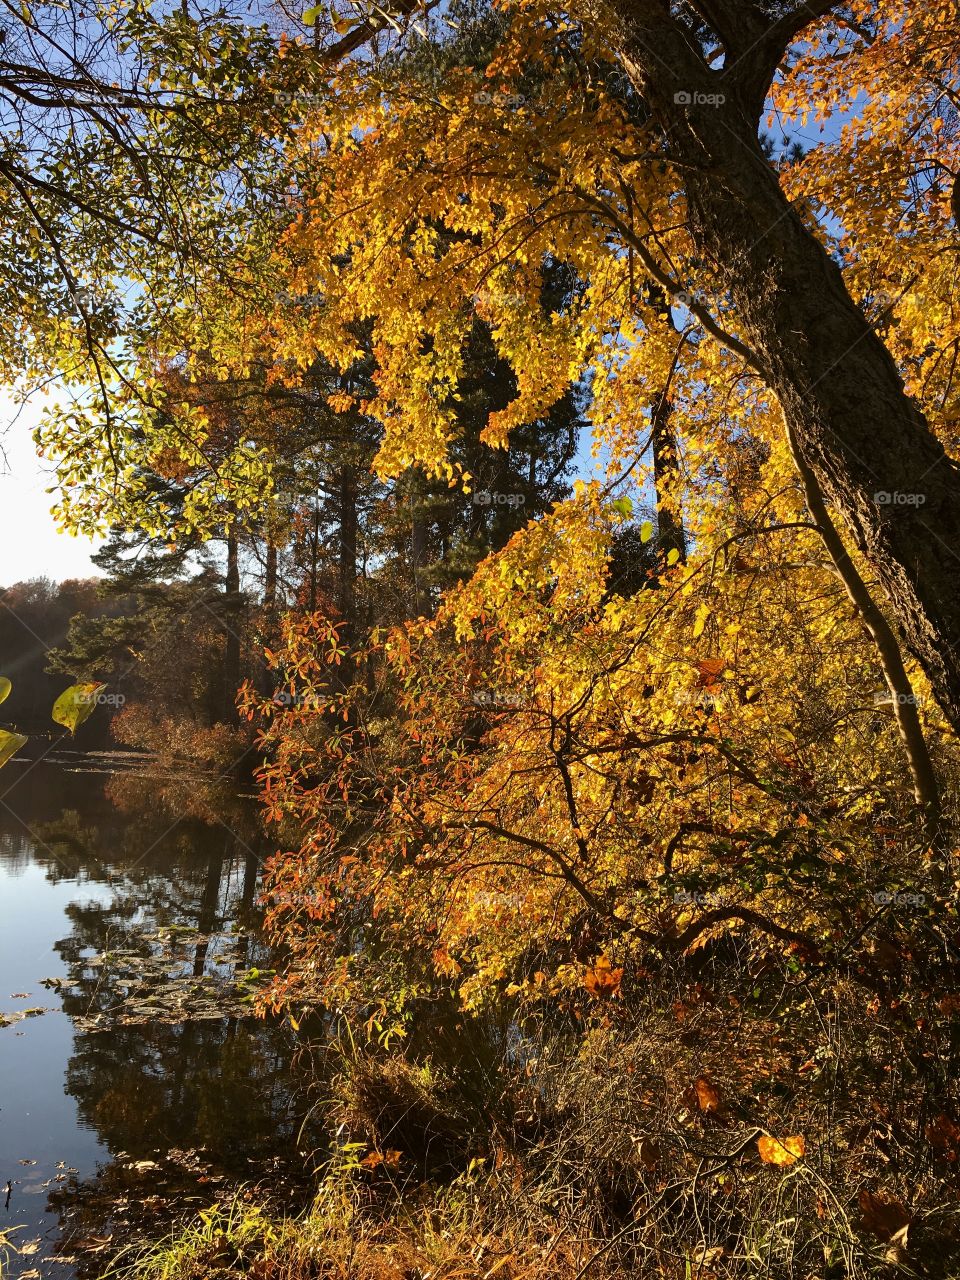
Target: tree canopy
566,403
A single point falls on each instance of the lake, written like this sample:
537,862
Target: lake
128,916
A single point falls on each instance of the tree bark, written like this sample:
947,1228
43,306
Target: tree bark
419,546
348,552
869,447
670,531
231,656
270,576
903,700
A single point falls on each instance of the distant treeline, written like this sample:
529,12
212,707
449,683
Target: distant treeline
34,620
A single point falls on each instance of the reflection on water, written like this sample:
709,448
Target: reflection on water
100,1125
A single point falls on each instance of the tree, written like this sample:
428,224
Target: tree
129,173
562,151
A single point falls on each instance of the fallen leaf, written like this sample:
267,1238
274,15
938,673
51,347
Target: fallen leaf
781,1151
883,1216
896,1251
704,1096
649,1153
943,1135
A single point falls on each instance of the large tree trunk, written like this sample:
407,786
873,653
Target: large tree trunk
869,447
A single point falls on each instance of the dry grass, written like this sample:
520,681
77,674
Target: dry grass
446,1239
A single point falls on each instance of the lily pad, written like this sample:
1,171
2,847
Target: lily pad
8,1019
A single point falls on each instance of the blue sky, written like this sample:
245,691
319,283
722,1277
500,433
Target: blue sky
31,547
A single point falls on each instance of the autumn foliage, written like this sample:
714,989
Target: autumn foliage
655,803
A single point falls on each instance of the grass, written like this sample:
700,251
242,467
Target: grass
443,1239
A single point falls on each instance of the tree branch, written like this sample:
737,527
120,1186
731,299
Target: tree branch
752,69
748,916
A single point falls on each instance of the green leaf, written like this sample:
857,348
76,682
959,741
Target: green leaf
312,14
673,555
10,744
76,704
623,505
5,687
646,531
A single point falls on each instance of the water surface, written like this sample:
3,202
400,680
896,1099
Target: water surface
105,880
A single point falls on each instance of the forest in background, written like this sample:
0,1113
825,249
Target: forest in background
528,443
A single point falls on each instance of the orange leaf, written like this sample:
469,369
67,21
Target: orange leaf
711,672
782,1151
704,1096
603,981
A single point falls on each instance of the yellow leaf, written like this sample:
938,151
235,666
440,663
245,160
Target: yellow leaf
76,704
703,613
10,744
